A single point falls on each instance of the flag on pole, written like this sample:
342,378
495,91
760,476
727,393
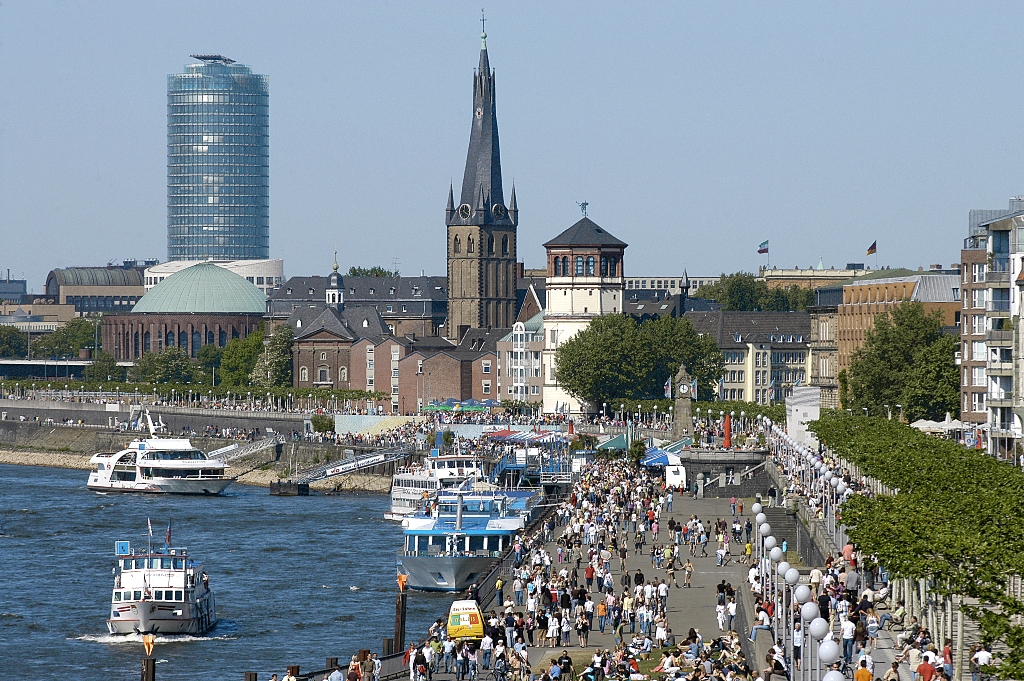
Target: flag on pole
873,248
668,387
693,389
763,247
150,523
167,537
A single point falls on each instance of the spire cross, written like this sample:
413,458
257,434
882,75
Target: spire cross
483,22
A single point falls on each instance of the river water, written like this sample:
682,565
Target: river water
297,579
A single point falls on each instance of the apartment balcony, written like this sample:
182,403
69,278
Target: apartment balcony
1005,401
999,337
998,272
997,308
999,369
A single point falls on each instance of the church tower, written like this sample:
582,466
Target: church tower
481,228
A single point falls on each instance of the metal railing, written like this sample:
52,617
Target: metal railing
353,465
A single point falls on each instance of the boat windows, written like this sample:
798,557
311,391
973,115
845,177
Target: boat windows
177,595
179,563
126,564
127,595
138,596
140,563
191,455
117,595
165,563
158,595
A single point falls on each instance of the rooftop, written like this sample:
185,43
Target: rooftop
586,232
203,289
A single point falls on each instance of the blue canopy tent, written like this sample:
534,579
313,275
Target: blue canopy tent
660,458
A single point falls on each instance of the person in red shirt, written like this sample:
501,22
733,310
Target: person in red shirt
926,671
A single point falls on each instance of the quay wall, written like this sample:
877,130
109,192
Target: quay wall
31,443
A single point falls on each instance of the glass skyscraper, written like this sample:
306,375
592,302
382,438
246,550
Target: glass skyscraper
218,167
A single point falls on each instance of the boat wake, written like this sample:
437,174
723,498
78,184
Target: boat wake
136,639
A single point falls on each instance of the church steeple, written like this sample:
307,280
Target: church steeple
481,184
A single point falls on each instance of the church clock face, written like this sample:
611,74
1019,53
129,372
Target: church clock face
498,211
465,211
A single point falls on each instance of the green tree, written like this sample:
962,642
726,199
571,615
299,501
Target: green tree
104,368
274,366
239,359
13,343
905,360
170,366
375,271
742,291
77,334
322,424
616,358
209,357
637,451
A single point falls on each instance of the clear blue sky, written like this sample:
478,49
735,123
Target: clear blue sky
695,130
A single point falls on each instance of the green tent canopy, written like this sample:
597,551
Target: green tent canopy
617,442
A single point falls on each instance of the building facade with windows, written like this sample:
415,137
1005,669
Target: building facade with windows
824,346
866,297
96,290
520,354
973,357
218,162
766,353
586,279
266,275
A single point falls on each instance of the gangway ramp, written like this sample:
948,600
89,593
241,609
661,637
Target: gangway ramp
347,466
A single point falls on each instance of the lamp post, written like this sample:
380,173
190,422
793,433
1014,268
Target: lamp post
865,410
888,412
900,407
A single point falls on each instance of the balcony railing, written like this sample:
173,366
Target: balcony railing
997,306
999,335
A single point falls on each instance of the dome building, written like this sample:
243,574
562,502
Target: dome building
200,305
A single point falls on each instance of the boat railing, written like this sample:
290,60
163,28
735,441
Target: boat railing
479,553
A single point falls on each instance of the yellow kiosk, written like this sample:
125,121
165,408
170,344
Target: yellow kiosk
465,621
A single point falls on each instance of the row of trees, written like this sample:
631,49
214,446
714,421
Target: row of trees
742,291
78,334
243,362
906,359
955,521
617,358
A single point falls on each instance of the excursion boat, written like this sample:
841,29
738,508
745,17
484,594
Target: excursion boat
162,591
412,486
158,465
452,543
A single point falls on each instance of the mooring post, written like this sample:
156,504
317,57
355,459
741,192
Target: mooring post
400,610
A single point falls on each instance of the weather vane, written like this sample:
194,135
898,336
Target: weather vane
583,207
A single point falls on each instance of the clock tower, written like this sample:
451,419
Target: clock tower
481,227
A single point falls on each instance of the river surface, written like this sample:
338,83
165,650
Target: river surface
297,579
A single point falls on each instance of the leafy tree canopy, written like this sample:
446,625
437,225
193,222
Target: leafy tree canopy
77,334
170,366
742,291
104,368
615,357
239,359
375,271
274,366
905,360
13,343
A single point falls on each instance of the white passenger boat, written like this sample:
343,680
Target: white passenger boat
159,465
411,486
162,591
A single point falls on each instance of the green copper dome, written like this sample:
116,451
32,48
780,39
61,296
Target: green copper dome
204,288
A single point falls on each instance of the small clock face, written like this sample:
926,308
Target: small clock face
479,112
684,390
498,211
465,211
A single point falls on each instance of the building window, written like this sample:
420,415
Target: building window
487,387
470,246
504,245
324,373
978,378
613,266
389,308
978,402
323,356
535,390
558,267
579,266
604,266
486,364
590,265
490,245
304,374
